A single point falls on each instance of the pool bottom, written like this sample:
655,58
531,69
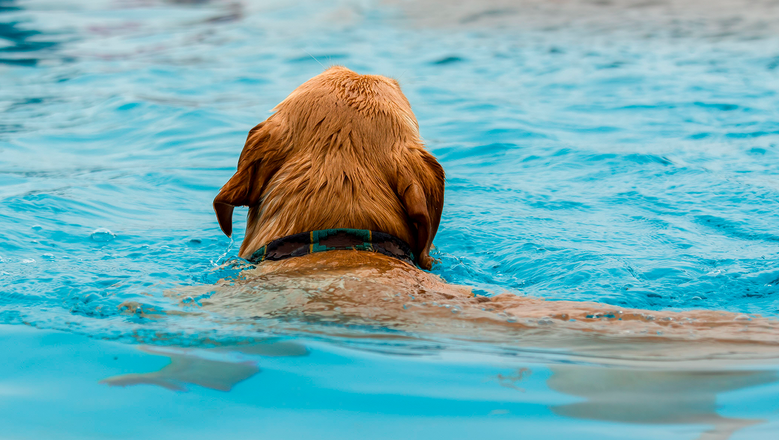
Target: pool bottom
60,385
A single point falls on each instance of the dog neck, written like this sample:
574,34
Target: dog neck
305,243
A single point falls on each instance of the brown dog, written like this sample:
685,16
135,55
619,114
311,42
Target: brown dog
342,151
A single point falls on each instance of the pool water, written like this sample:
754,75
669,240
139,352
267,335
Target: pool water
589,158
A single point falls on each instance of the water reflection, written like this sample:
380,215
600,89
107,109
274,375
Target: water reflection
19,44
621,392
650,396
215,368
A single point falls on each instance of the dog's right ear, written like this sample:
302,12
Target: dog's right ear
246,185
421,189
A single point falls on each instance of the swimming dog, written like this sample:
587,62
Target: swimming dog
342,151
344,202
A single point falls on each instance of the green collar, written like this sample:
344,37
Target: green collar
324,240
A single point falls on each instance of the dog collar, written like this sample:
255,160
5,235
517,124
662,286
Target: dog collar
305,243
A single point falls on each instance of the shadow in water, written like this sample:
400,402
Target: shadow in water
20,44
644,396
216,368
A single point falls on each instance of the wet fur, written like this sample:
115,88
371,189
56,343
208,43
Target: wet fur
341,151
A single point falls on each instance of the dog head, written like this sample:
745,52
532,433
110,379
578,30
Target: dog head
341,151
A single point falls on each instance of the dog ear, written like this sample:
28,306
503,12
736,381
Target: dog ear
421,189
245,187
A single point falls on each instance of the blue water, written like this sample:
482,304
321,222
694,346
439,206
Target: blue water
634,169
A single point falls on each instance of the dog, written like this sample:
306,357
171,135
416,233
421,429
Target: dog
344,203
341,151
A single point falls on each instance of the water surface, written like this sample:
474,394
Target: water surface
634,165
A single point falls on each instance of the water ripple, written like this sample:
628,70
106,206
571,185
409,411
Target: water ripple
636,171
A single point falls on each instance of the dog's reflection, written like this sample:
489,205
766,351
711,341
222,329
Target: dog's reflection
645,396
214,368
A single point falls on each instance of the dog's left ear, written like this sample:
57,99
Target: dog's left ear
246,185
421,189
